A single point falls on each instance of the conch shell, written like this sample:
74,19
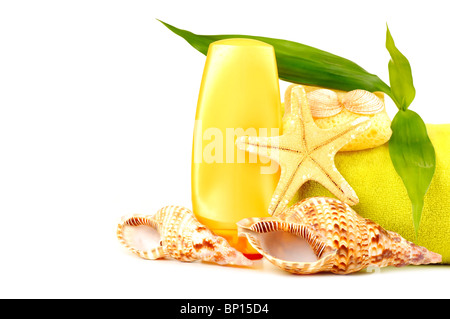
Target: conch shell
178,235
324,103
362,102
325,235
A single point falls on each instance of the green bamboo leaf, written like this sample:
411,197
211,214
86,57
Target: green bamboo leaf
413,156
400,75
302,64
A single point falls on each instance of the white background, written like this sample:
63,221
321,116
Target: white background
97,106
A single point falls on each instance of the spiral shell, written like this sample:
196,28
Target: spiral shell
324,103
362,102
179,236
325,235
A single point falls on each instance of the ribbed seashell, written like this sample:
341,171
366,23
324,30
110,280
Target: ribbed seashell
362,102
324,103
178,235
323,234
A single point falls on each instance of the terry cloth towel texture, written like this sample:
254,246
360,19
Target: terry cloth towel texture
383,197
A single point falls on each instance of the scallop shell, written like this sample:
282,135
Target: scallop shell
324,103
325,235
179,235
362,102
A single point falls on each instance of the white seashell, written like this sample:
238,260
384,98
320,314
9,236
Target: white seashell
362,102
324,103
175,232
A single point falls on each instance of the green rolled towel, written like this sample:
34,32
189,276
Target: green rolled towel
383,197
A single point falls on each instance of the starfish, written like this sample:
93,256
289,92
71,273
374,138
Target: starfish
305,151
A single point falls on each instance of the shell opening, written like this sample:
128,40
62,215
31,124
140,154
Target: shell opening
140,234
289,241
287,246
142,237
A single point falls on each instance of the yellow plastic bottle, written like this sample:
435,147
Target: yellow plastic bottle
239,95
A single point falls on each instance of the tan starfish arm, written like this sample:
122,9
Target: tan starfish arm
264,146
338,137
287,99
291,179
327,174
300,107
